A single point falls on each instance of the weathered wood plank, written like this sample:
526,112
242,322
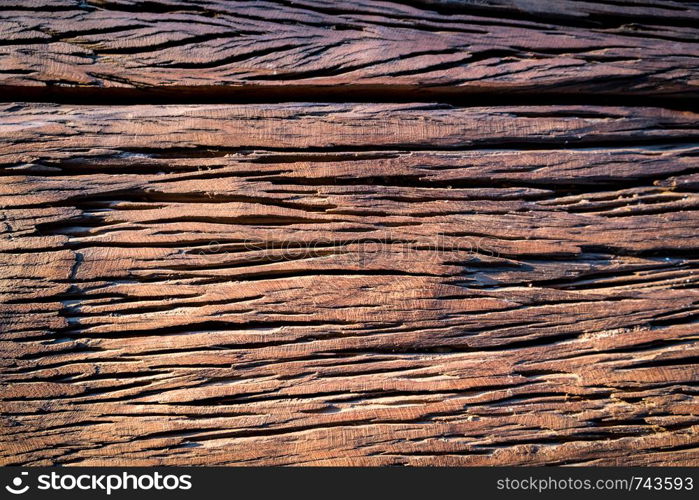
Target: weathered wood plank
504,46
30,132
348,284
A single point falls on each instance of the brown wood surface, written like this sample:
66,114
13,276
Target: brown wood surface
349,283
619,48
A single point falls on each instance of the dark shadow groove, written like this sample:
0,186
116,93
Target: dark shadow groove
588,94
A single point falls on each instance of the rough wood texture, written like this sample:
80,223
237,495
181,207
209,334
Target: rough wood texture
349,284
505,46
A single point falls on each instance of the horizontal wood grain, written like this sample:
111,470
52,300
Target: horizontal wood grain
536,47
348,284
29,132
